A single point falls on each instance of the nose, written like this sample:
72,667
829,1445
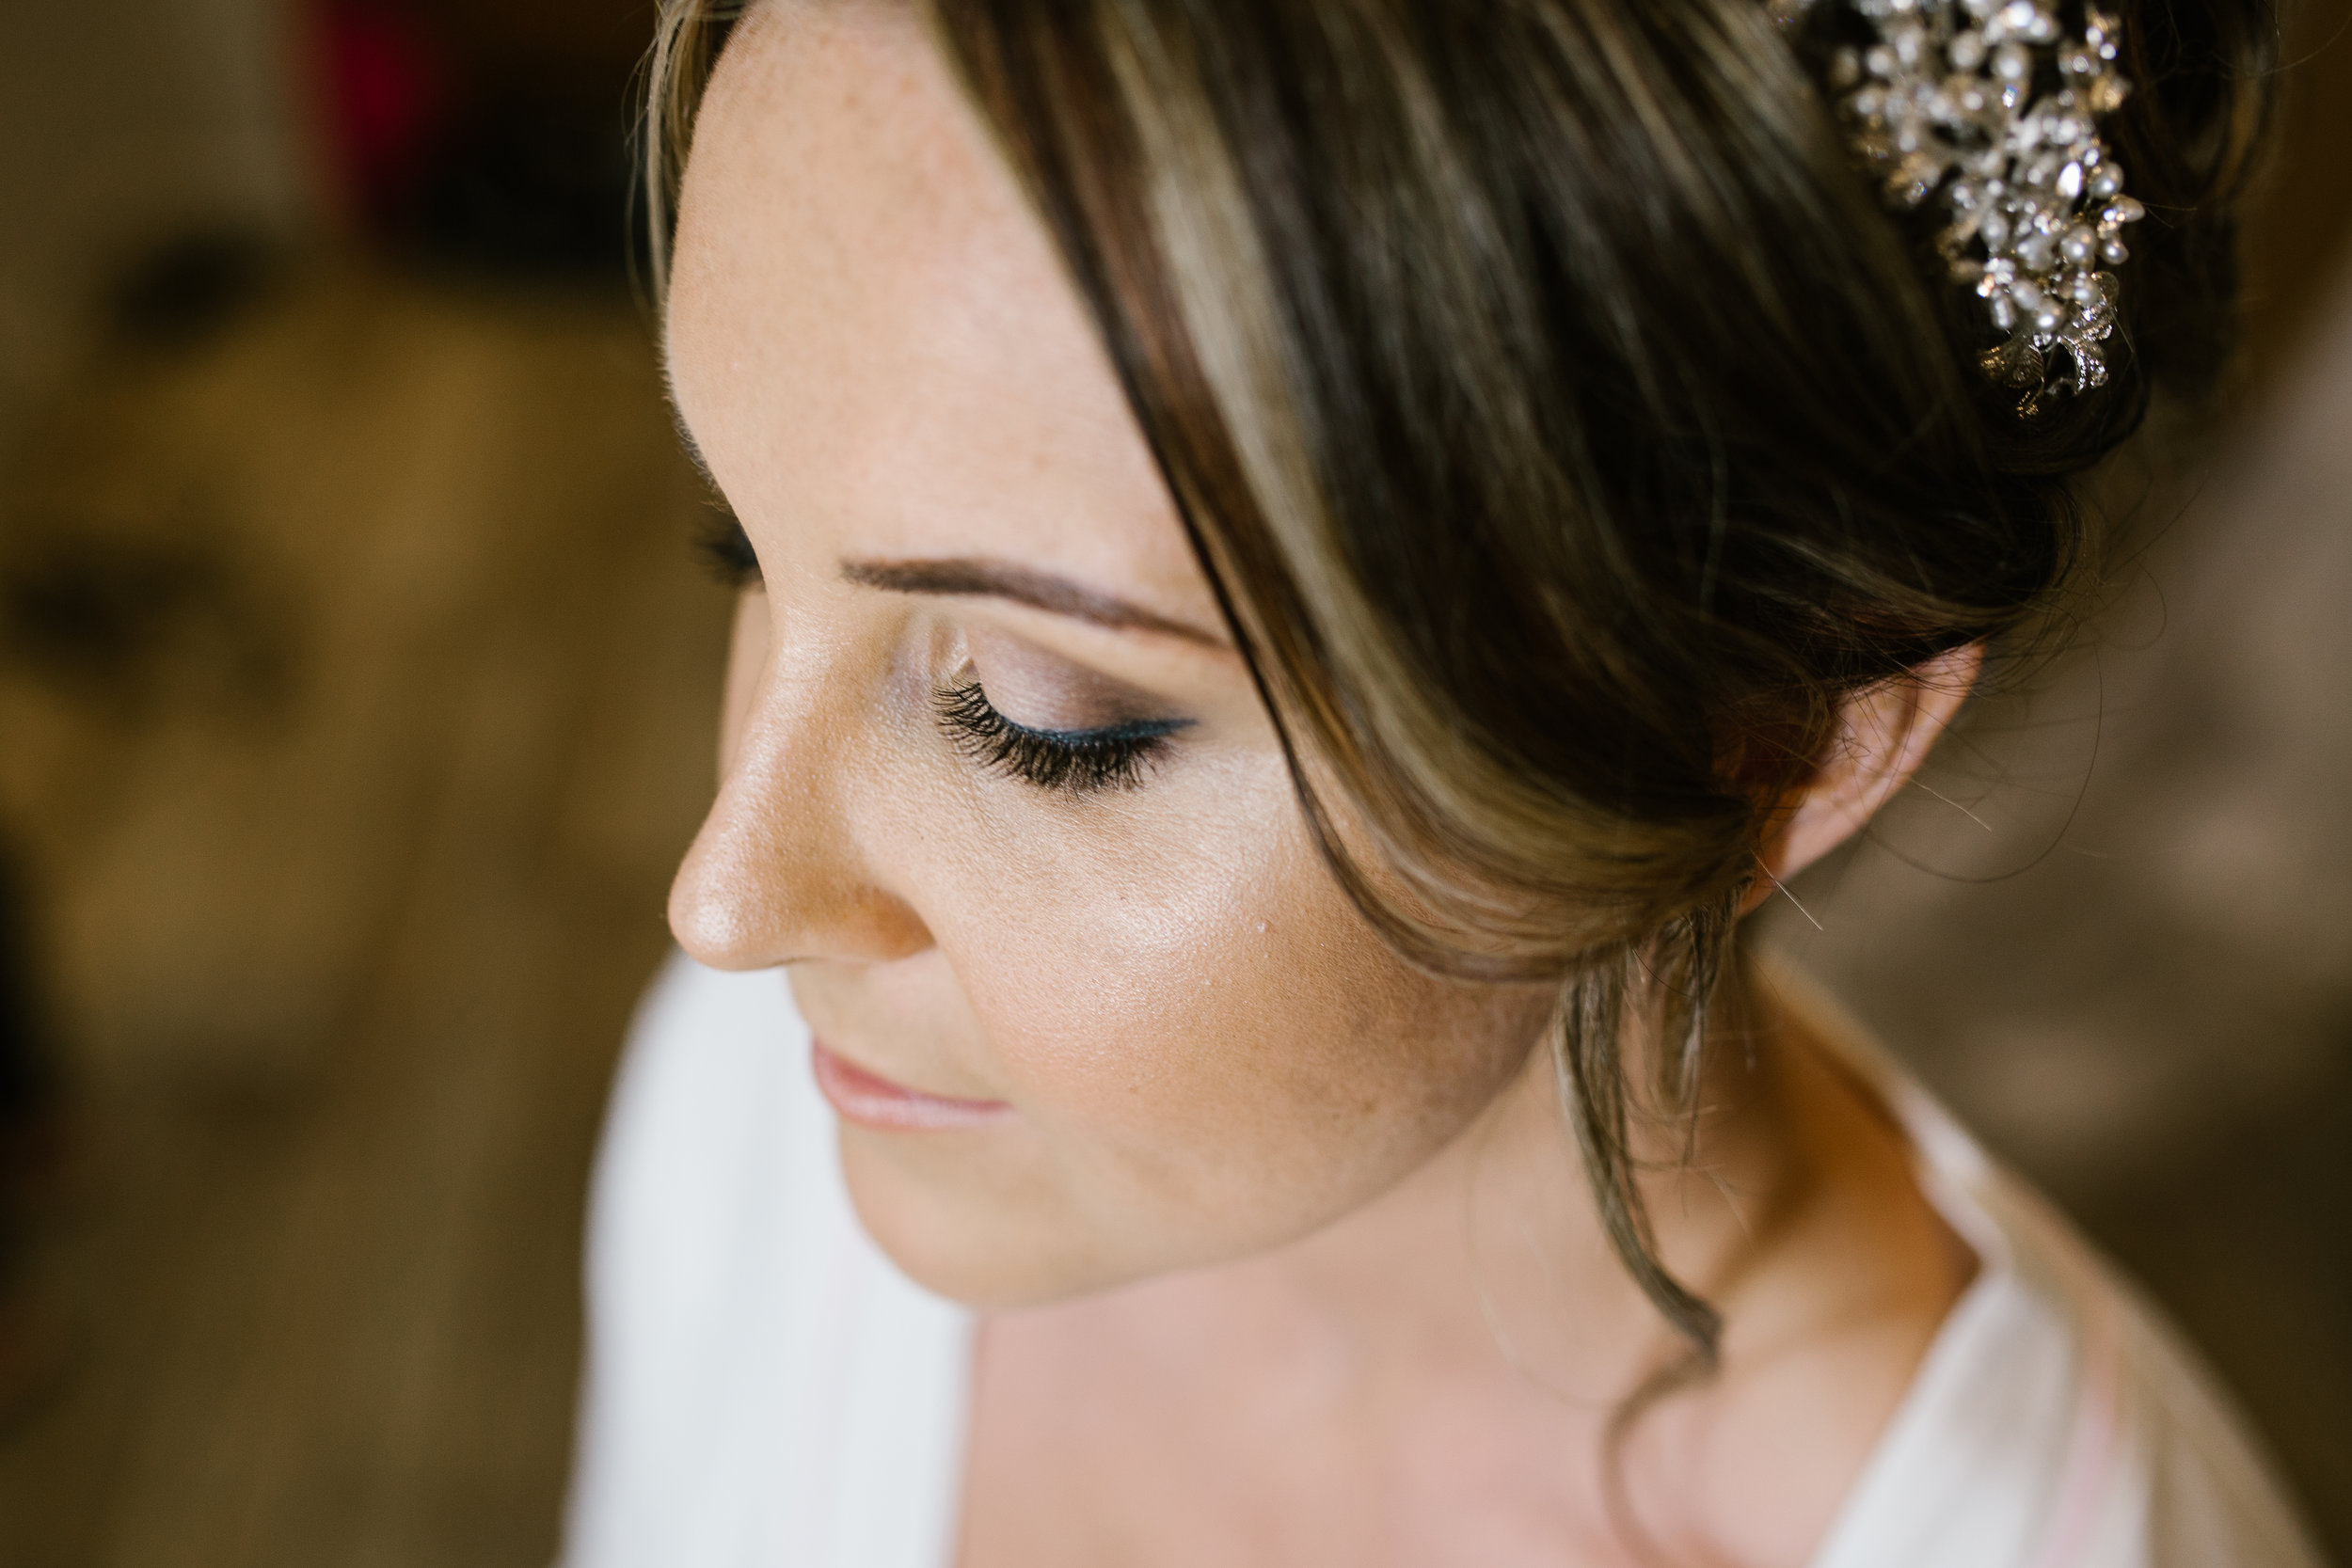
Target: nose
778,874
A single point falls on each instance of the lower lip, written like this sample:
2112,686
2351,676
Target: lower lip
869,1101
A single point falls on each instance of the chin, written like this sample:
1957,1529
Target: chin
985,1244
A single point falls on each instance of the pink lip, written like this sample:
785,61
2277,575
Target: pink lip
872,1100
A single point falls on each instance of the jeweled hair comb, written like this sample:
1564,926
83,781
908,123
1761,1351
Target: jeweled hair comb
1991,108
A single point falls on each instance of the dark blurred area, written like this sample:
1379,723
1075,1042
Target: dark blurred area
357,692
356,699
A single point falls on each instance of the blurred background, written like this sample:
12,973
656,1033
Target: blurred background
357,692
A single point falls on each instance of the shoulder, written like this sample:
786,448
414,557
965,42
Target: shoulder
2055,1416
756,1367
2164,1471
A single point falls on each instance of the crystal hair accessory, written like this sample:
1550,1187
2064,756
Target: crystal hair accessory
1991,107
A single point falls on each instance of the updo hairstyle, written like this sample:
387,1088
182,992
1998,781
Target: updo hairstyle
1567,430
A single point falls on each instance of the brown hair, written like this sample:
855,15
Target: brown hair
1567,431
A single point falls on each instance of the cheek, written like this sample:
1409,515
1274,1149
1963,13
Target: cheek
1214,1047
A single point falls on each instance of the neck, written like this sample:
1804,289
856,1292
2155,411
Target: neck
1469,1341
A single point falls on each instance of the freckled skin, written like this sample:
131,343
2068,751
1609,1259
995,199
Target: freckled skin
1237,1122
1208,1050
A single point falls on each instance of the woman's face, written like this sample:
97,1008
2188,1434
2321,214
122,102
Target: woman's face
997,790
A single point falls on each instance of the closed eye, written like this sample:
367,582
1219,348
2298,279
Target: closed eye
1078,762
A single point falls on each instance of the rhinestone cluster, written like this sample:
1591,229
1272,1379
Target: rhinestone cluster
1991,107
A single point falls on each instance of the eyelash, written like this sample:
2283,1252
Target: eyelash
1080,762
725,549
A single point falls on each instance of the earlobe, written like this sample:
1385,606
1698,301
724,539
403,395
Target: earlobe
1882,736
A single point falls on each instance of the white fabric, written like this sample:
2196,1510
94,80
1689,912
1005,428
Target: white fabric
2056,1422
764,1389
763,1386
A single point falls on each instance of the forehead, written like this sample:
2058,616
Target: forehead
870,334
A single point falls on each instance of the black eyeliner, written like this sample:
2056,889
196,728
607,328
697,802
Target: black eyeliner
1078,760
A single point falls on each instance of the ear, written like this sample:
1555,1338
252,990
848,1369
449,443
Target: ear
1882,733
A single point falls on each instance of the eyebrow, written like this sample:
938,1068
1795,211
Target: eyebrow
961,576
